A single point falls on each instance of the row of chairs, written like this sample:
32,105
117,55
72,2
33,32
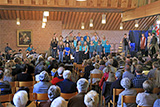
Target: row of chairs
4,99
127,99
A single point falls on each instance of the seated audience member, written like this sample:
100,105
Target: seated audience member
109,63
156,80
40,66
78,100
44,84
146,98
105,76
24,76
67,86
53,93
116,84
21,98
9,55
8,75
126,84
27,61
91,99
151,73
102,65
59,102
60,76
4,85
88,68
127,73
157,103
139,79
18,68
96,71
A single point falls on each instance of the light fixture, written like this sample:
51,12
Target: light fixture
82,26
136,23
18,21
91,23
158,19
43,24
44,19
103,18
46,13
80,0
121,26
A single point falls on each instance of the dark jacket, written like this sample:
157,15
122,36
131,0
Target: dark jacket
24,77
5,88
87,71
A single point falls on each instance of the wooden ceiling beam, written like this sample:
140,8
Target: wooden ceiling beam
144,11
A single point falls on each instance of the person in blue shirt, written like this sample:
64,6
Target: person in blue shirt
91,49
95,43
85,49
29,48
67,53
60,51
75,41
79,36
103,41
85,37
79,46
107,48
99,49
82,41
88,41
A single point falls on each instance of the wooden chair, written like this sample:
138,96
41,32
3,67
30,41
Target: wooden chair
94,76
13,84
41,96
13,90
116,92
139,90
156,90
67,96
25,83
127,99
144,106
5,98
30,89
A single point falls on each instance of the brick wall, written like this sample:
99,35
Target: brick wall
41,37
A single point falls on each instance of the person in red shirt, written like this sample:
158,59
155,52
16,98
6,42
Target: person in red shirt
60,76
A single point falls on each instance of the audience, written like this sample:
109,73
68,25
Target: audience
146,98
43,85
78,100
102,65
126,84
156,80
60,76
151,73
4,85
139,79
88,68
8,75
67,86
91,99
127,73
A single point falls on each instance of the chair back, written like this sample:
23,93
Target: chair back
25,83
13,84
144,106
43,96
67,96
156,90
6,98
94,76
139,90
127,99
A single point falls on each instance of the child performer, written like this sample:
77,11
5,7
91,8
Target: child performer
99,49
60,51
91,49
85,49
107,48
67,53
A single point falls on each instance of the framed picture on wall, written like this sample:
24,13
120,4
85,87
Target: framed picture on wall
24,38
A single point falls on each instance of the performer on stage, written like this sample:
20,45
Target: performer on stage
29,49
54,44
85,49
107,48
125,44
99,49
143,44
67,53
60,51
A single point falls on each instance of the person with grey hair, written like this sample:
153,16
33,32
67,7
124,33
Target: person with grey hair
44,84
127,73
91,99
59,102
67,86
8,75
96,71
110,63
147,98
60,76
78,100
126,84
157,103
151,73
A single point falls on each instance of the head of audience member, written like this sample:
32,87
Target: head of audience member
44,77
84,62
20,50
121,64
1,75
155,56
111,77
91,99
49,59
53,92
59,102
148,86
118,74
67,74
96,66
102,62
24,68
20,98
126,83
60,71
17,61
155,65
93,60
106,69
109,62
104,59
128,61
8,72
139,70
157,103
127,68
89,62
82,85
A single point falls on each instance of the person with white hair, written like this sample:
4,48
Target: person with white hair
78,100
60,76
146,98
44,84
157,103
67,86
8,75
110,63
126,84
91,99
59,102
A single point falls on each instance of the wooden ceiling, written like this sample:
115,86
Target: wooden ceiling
72,13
